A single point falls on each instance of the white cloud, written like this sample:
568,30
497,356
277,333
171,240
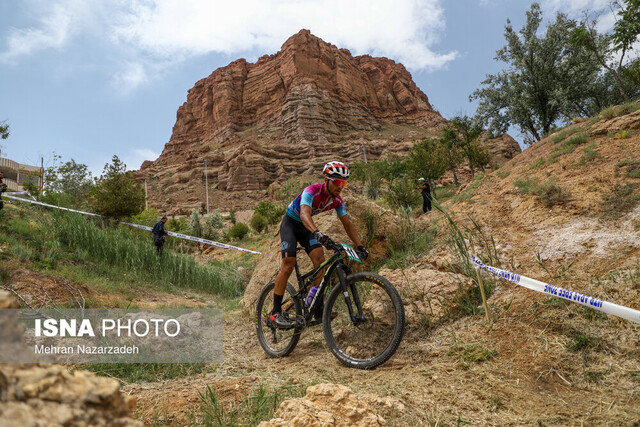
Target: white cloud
154,34
404,30
576,9
53,31
130,76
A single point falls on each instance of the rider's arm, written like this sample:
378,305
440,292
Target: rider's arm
305,216
350,229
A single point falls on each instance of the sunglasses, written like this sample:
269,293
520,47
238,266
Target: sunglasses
338,182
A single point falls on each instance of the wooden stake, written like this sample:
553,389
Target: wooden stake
484,297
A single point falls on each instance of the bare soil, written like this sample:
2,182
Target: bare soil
540,361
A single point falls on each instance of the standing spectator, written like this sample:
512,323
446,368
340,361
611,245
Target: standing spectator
423,186
159,233
3,188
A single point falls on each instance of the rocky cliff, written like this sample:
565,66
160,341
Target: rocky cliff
283,116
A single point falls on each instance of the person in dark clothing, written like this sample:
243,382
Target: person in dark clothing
3,188
159,233
423,186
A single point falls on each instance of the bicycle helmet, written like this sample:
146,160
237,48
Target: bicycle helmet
336,170
421,179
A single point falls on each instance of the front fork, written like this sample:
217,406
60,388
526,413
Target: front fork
357,318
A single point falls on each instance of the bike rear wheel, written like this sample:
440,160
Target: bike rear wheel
277,342
376,334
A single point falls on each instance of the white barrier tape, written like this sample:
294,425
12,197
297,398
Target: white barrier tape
20,199
545,288
196,239
143,227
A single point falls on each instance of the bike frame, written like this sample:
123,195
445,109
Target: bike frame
334,263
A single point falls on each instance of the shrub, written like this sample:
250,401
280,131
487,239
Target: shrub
524,185
238,230
552,194
212,222
608,113
570,144
623,134
537,164
622,199
272,213
630,168
549,193
195,228
402,193
147,217
177,225
258,222
589,153
214,219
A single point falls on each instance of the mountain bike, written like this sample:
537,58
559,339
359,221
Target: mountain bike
363,317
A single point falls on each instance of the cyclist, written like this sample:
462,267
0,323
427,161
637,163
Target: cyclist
298,226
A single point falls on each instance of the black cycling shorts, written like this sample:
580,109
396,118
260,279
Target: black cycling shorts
293,232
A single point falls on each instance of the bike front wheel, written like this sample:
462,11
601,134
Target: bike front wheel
373,334
277,342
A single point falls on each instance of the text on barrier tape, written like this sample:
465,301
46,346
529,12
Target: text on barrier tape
143,227
545,288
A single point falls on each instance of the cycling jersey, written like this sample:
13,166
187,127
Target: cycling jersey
315,197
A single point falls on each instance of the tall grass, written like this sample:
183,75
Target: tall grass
260,406
463,241
119,247
409,240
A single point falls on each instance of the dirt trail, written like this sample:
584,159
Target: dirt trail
542,361
524,385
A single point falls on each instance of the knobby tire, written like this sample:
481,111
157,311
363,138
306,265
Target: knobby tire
375,340
277,342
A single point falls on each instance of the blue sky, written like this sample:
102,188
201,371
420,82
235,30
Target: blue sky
90,79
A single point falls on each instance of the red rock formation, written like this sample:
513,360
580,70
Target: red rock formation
285,115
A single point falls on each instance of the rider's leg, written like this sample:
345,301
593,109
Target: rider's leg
288,250
317,258
288,264
286,268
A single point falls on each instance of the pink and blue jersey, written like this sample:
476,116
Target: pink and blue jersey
315,197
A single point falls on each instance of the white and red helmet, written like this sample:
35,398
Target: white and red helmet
336,170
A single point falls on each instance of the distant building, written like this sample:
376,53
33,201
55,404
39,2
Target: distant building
17,174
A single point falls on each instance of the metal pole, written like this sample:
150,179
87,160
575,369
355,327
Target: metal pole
146,194
206,181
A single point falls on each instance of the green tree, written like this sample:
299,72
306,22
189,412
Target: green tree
547,79
469,131
450,141
67,184
372,173
4,129
610,51
627,28
426,160
116,194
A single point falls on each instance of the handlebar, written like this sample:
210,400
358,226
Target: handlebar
330,244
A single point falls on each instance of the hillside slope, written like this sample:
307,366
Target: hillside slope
565,212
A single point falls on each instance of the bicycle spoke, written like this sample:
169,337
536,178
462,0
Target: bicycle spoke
375,332
276,342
